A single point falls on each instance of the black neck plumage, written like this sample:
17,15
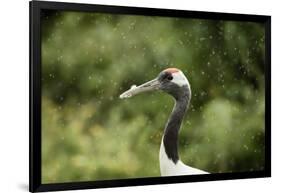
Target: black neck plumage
173,125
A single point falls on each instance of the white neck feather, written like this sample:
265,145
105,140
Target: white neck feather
169,168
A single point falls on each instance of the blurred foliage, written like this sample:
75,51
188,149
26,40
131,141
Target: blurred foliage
89,59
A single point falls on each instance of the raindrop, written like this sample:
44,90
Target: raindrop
51,75
246,147
201,39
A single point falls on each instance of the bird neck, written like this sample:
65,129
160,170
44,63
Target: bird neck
170,138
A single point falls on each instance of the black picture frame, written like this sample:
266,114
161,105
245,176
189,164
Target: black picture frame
36,7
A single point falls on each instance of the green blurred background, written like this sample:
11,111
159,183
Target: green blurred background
89,59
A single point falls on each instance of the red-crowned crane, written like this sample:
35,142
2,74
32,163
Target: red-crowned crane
173,82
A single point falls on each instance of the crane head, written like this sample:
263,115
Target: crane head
170,80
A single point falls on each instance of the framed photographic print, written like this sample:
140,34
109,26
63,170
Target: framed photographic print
125,96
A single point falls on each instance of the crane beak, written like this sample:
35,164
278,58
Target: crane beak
134,90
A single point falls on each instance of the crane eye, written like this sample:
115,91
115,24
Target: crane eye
170,77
